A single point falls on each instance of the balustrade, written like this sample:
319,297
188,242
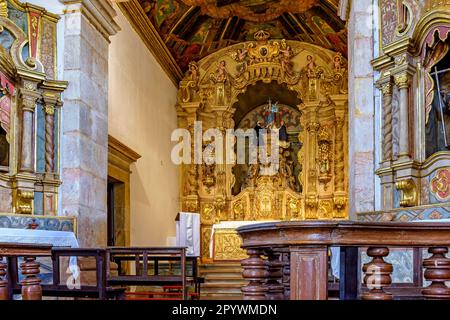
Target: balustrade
291,257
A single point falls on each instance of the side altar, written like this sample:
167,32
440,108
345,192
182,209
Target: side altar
306,87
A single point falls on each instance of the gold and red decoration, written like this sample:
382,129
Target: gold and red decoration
440,185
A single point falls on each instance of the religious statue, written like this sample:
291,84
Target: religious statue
272,109
286,63
240,56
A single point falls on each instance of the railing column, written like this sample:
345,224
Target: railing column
377,275
274,283
31,284
286,257
4,295
437,270
255,270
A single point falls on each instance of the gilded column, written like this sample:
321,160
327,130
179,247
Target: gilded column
311,200
339,158
386,90
50,105
402,82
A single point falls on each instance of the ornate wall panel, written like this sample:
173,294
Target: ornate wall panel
29,109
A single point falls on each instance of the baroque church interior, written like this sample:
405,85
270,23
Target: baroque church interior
100,97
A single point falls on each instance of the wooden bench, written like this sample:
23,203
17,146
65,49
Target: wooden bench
147,263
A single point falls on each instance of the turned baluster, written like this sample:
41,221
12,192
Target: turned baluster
287,275
274,282
377,275
31,284
3,282
437,270
255,271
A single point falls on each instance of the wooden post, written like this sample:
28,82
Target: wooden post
255,270
377,275
4,294
286,257
274,283
31,284
437,270
309,273
348,273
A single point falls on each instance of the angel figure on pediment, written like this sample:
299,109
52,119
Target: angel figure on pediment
221,74
241,57
286,63
193,73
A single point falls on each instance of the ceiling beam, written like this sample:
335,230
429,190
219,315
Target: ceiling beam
151,38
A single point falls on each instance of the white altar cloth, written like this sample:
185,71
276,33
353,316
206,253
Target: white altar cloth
188,233
55,238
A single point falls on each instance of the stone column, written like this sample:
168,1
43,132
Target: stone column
361,107
402,82
88,26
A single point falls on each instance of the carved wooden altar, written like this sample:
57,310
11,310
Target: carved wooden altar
211,91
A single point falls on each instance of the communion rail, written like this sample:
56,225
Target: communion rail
289,260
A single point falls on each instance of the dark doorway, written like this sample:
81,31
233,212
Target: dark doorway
116,213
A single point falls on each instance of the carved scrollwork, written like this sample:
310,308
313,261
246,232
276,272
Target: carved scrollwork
408,191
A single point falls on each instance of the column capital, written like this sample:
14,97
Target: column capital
402,80
100,13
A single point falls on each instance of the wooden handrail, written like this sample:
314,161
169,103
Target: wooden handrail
304,248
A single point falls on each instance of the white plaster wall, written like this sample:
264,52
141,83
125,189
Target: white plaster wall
142,115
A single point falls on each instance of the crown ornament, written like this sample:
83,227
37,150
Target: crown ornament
261,35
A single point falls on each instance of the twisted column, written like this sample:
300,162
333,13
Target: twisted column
49,138
339,158
386,90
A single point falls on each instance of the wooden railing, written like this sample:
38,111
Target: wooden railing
107,284
289,260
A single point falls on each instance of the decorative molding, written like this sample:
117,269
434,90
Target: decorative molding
99,12
123,152
149,35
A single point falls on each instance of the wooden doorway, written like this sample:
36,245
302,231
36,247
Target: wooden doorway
120,158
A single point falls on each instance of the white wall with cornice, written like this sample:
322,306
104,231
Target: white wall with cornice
142,115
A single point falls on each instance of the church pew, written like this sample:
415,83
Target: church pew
145,257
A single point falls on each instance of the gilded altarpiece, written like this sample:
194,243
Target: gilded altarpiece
414,84
312,188
30,103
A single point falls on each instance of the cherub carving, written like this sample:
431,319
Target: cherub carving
193,73
221,74
337,63
240,56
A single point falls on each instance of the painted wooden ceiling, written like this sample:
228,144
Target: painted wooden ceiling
192,29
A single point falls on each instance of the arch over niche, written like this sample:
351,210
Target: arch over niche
211,91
